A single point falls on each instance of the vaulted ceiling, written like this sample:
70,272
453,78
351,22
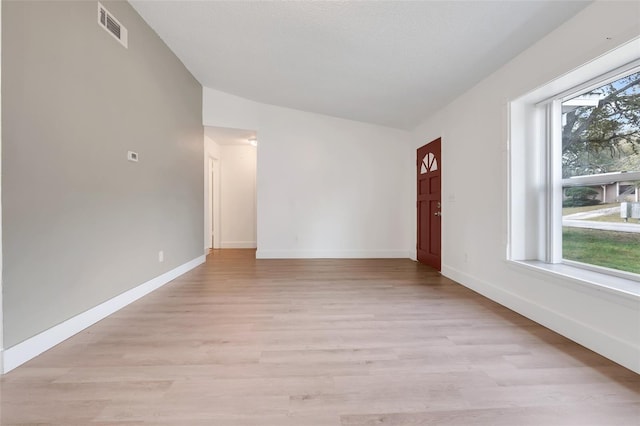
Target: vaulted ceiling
389,62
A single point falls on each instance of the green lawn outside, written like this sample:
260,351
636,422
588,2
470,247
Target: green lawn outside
606,218
613,218
572,210
617,250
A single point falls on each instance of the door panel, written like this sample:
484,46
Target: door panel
429,202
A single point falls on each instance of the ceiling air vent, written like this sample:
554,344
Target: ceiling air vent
111,25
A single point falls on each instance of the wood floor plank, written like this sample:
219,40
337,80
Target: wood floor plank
598,415
244,342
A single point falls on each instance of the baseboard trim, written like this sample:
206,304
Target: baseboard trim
34,346
238,244
332,254
622,352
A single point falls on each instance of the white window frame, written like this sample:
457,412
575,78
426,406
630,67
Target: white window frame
535,172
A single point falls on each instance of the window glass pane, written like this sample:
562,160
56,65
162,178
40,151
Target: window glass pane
601,175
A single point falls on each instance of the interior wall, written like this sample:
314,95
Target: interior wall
475,189
238,196
327,187
81,223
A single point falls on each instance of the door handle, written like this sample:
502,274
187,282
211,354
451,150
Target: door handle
437,214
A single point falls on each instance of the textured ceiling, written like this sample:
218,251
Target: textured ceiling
390,62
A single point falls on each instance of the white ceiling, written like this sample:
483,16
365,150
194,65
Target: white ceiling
227,136
390,62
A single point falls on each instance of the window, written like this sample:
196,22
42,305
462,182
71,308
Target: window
429,164
600,158
575,170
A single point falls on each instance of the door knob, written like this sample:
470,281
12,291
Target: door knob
437,214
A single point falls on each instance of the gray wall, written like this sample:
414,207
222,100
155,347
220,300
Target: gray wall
81,223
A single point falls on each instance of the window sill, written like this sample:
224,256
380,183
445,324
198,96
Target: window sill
586,279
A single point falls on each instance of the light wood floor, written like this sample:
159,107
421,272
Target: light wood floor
314,343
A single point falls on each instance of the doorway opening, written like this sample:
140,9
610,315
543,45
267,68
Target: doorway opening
230,188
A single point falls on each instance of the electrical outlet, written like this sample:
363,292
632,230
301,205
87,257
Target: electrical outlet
161,256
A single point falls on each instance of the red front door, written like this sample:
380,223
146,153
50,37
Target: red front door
429,203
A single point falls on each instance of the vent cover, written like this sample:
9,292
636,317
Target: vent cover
111,25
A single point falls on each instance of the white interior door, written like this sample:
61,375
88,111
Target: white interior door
210,228
214,209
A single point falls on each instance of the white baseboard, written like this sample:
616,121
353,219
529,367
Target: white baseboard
332,254
238,244
34,346
622,352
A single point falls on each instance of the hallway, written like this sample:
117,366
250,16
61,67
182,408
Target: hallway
239,341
